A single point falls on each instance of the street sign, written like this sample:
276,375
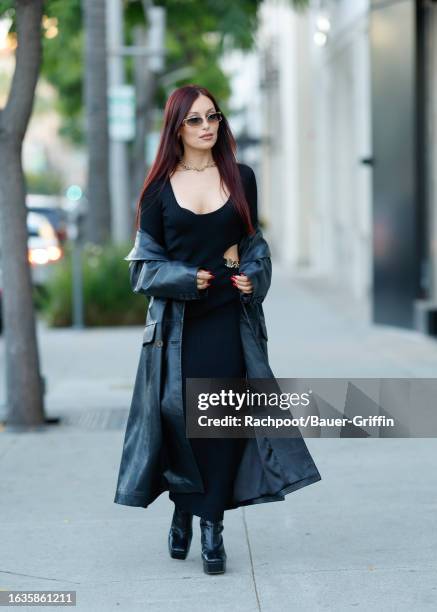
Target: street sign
121,112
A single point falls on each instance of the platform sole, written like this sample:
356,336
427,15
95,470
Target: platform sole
214,567
178,554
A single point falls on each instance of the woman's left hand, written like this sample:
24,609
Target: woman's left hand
242,282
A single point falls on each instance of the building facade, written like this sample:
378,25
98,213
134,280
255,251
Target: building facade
349,151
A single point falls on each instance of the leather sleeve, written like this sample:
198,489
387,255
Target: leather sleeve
165,279
259,271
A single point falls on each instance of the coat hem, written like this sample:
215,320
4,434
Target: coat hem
132,499
280,495
138,499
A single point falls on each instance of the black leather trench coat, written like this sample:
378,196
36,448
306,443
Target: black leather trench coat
156,454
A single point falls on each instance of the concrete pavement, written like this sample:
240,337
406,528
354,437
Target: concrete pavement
361,538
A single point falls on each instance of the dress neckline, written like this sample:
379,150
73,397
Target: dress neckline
192,211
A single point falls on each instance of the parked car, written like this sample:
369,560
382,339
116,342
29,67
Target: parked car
44,248
52,207
44,251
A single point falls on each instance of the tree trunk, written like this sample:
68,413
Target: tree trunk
98,223
24,387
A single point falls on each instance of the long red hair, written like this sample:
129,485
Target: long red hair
170,150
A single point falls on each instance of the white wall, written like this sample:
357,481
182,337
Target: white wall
245,103
341,87
285,108
317,113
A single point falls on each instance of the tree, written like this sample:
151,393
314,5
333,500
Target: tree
196,36
24,386
98,192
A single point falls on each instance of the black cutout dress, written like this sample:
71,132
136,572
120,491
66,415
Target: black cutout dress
211,342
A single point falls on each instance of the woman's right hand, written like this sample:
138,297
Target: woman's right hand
203,278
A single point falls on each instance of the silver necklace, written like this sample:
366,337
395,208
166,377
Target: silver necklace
208,165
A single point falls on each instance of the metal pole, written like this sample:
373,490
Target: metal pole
77,280
75,234
118,155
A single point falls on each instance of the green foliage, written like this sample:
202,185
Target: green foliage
63,64
198,31
44,182
7,6
231,23
300,5
107,294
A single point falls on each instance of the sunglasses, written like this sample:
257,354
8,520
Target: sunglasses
212,118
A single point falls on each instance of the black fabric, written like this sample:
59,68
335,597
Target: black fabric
211,344
212,349
158,197
199,239
154,460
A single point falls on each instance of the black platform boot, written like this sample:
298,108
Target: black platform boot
213,551
180,534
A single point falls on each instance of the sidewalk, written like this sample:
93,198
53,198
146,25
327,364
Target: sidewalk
361,538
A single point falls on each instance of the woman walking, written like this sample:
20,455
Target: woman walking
198,205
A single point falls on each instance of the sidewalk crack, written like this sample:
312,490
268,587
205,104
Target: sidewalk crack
38,577
252,570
